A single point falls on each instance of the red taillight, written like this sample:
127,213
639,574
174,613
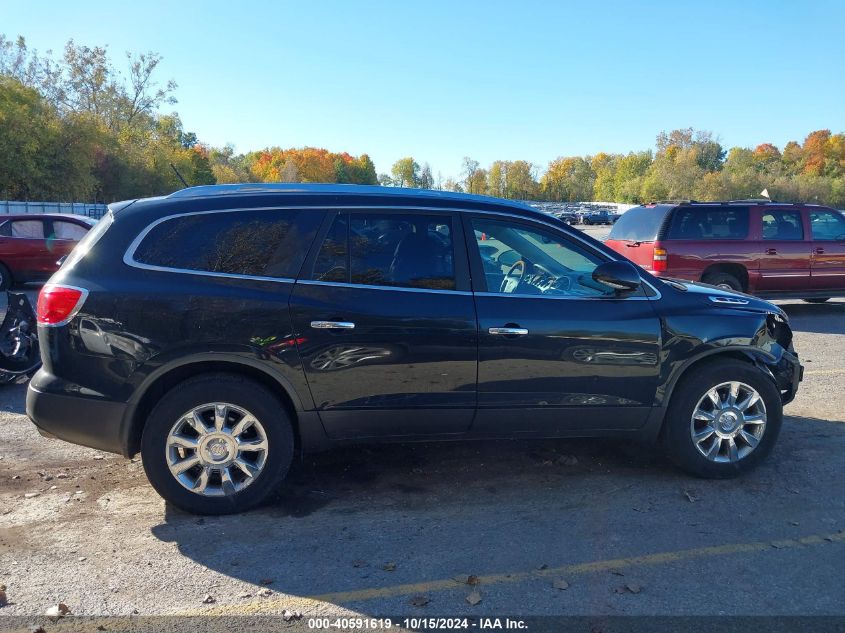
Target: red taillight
659,263
58,304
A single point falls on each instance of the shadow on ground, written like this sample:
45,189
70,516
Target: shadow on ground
437,510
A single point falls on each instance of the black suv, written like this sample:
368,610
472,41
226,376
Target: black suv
221,329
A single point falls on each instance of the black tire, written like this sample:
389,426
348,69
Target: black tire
723,279
817,300
232,389
677,436
6,280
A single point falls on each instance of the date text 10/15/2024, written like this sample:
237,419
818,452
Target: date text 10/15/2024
431,624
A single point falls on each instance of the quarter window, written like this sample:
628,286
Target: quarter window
827,225
782,225
521,260
401,250
709,224
68,230
263,243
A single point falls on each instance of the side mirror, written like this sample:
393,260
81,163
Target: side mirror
622,276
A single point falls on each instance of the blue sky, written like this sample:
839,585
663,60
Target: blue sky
489,79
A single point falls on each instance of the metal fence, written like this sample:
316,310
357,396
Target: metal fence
13,207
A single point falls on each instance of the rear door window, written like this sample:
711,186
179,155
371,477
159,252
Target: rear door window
402,250
827,225
720,223
782,225
260,243
27,229
63,230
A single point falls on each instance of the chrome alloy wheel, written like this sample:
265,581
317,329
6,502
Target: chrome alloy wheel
216,449
728,422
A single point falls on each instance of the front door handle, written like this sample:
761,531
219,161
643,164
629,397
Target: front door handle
332,325
508,331
819,251
771,251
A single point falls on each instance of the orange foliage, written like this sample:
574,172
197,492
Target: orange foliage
814,152
766,152
310,164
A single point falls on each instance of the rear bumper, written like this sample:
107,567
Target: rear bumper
78,419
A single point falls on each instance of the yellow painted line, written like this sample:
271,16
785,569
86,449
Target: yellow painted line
275,605
823,372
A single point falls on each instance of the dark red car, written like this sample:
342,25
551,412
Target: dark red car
769,249
31,245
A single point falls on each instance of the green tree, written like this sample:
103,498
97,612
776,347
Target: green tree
520,183
568,179
406,172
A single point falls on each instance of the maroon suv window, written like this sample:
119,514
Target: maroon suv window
719,223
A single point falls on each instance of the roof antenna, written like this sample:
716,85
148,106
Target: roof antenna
178,175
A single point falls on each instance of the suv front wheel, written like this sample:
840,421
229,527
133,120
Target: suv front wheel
723,419
217,444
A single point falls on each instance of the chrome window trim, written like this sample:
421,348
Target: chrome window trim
129,255
568,297
341,284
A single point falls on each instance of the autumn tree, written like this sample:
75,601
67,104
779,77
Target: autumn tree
406,172
474,180
568,179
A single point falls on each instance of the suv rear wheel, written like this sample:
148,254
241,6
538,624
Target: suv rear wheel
725,281
724,418
217,444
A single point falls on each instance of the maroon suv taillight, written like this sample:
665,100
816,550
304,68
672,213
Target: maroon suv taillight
659,261
58,304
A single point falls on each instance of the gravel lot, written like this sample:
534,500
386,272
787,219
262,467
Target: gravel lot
369,530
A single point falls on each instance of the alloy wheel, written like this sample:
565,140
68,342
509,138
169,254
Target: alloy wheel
728,422
216,449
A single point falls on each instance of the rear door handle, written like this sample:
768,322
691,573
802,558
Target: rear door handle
771,251
508,331
332,325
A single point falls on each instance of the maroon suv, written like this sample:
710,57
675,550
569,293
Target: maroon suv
31,245
764,248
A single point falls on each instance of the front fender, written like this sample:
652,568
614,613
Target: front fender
753,336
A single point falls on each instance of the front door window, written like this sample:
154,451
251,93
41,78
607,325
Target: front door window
523,260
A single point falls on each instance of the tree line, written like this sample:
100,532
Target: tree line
687,165
77,127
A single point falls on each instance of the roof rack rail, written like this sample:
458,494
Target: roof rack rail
755,200
671,202
330,188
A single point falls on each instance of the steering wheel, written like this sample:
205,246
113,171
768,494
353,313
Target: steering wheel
513,277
